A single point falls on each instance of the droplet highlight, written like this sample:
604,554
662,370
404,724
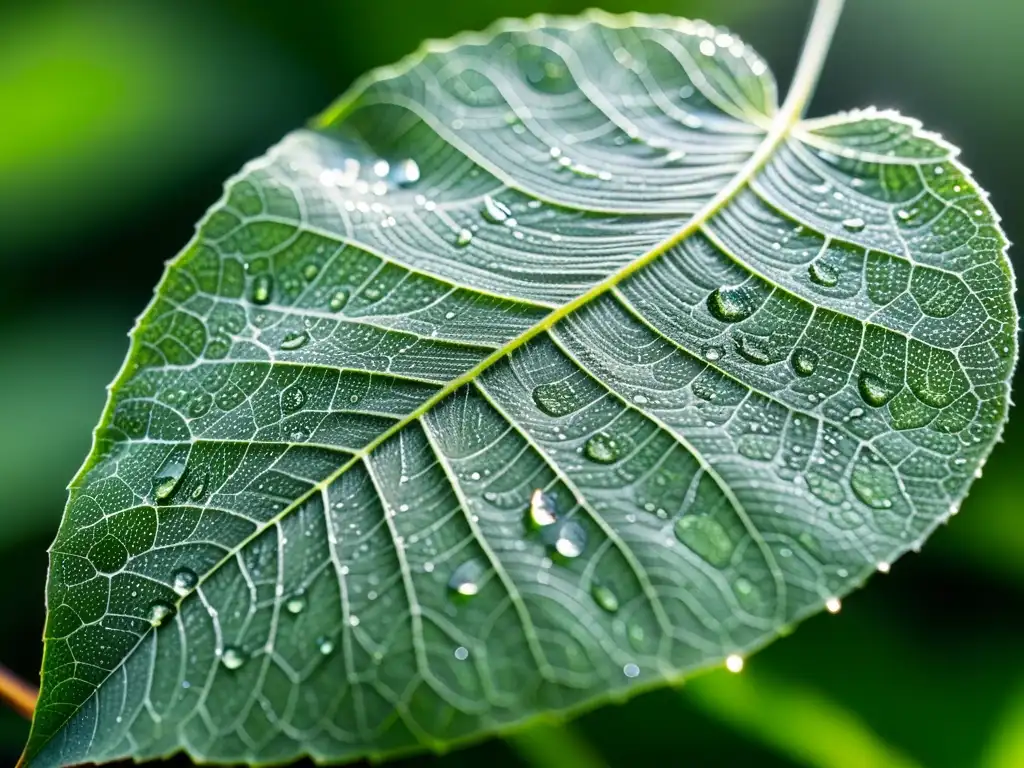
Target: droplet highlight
467,579
232,657
874,391
602,448
262,288
185,580
166,480
542,509
805,362
605,598
730,305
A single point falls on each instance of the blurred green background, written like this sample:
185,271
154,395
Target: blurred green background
121,120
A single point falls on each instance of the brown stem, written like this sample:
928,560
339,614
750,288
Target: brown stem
17,694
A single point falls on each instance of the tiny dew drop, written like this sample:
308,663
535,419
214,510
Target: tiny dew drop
295,340
185,580
730,305
631,670
873,390
200,489
296,604
734,663
822,274
159,612
495,211
804,361
542,509
167,479
703,390
325,645
338,300
833,605
602,448
232,657
854,224
464,238
604,597
466,579
461,653
262,287
572,540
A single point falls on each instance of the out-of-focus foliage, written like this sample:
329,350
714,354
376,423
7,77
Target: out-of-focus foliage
928,660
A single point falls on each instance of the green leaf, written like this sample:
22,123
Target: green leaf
552,364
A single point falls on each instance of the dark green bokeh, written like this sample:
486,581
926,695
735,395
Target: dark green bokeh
121,121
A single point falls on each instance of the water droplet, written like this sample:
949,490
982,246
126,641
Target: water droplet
555,399
407,173
705,536
804,361
292,399
730,305
464,238
200,489
703,390
167,479
572,539
631,670
185,580
232,657
854,224
734,663
542,509
884,567
604,597
325,645
823,274
310,271
602,448
262,287
159,612
637,636
712,353
875,392
338,300
495,211
294,340
869,484
296,604
752,350
466,579
461,653
833,605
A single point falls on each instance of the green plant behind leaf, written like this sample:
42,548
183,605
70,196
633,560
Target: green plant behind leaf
552,364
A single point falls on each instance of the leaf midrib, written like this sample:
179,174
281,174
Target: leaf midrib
812,58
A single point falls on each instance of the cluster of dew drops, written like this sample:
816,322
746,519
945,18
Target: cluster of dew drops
566,538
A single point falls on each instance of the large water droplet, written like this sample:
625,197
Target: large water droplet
293,398
870,486
752,350
467,579
855,224
185,580
603,448
542,509
705,536
495,211
804,361
703,390
232,657
734,663
875,392
571,540
325,645
262,288
461,653
167,479
555,399
631,670
295,340
407,173
296,604
604,597
338,300
464,238
310,271
730,305
159,612
822,273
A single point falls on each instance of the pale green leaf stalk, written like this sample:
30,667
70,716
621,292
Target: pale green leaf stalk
552,364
